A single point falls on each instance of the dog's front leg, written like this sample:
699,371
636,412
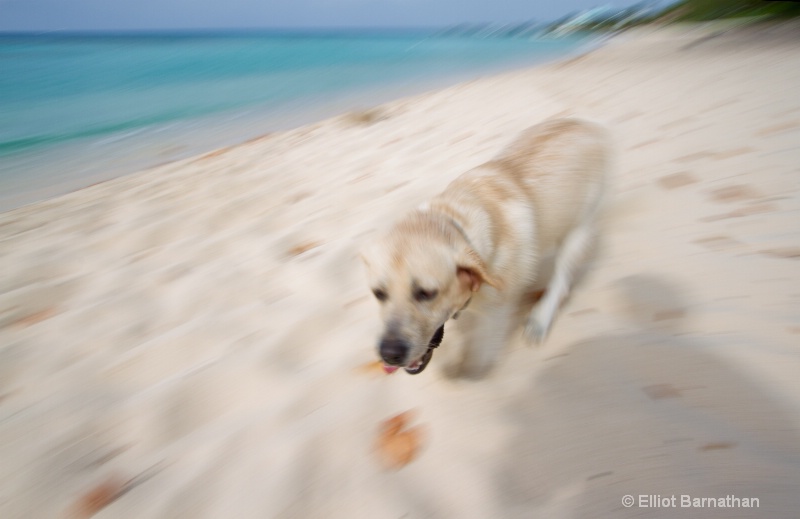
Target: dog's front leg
482,334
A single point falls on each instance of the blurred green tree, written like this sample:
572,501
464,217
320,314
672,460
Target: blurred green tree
704,10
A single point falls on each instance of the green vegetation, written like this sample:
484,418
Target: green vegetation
705,10
605,19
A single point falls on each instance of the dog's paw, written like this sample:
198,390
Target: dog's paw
536,331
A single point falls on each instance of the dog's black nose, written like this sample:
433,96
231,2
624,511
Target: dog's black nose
393,351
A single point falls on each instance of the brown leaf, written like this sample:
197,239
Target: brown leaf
717,242
365,117
676,180
716,446
675,313
215,153
373,367
394,424
99,497
659,391
397,446
303,247
785,252
36,317
734,193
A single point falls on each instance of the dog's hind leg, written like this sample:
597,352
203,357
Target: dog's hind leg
569,258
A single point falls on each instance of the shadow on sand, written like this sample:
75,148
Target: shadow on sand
650,413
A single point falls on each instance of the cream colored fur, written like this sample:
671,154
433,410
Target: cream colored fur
483,241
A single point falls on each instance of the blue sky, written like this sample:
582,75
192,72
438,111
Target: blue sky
18,15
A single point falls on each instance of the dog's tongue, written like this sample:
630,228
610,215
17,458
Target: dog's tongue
389,369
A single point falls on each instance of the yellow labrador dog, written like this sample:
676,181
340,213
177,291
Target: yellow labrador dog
475,251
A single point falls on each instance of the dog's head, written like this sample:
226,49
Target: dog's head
422,273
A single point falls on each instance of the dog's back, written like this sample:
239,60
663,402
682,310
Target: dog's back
563,165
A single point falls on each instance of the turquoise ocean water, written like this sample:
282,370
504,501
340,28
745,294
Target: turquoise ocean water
94,106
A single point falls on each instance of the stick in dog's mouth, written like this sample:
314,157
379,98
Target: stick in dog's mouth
416,367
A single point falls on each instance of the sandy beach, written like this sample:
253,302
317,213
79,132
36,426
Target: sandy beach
198,340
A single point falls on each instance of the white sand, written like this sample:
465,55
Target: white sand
162,327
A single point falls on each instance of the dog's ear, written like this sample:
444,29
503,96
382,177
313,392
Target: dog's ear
472,271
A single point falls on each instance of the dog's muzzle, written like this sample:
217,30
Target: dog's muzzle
434,343
394,351
422,363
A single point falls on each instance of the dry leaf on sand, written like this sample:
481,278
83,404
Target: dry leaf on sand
375,367
98,498
398,445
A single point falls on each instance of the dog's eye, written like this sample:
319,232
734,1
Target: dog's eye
380,295
421,294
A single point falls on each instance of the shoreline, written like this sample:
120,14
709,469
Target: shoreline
83,165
